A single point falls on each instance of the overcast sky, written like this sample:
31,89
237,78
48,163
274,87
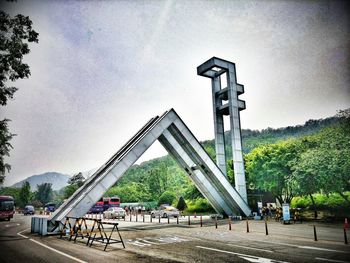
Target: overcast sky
103,68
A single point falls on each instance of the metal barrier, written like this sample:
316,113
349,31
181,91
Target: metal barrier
96,233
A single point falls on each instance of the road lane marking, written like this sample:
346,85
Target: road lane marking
148,241
332,260
20,233
324,249
57,251
253,248
245,256
307,247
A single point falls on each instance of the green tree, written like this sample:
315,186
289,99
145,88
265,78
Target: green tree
14,192
326,165
25,194
44,193
5,147
74,183
15,34
181,204
167,197
192,192
269,168
131,192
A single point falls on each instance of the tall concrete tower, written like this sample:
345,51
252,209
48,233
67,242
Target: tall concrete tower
226,102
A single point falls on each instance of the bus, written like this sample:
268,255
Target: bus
7,207
114,201
104,203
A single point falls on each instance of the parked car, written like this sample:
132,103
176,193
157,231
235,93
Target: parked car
165,211
114,212
29,210
217,216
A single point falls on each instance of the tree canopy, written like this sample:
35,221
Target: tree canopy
304,166
44,193
25,194
269,168
15,34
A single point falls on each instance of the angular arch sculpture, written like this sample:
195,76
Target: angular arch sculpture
178,140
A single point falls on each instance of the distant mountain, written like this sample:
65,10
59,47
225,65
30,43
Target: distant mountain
57,180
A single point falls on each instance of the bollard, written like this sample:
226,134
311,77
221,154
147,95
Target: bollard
143,217
266,230
150,218
345,237
159,218
229,224
137,215
315,234
201,221
124,217
189,220
177,220
247,225
216,222
130,216
168,219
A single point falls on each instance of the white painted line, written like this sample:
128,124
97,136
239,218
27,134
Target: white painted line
147,241
59,252
244,256
323,249
253,248
332,260
306,247
20,233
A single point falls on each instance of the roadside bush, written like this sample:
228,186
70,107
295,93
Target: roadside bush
181,204
167,197
199,205
333,203
301,202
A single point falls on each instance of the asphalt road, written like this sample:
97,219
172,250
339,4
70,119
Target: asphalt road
171,243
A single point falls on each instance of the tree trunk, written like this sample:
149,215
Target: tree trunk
280,199
314,206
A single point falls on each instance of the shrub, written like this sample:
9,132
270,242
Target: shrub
181,204
167,197
323,202
199,205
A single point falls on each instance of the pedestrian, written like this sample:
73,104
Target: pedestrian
126,210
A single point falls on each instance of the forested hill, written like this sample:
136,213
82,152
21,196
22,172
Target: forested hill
150,179
254,138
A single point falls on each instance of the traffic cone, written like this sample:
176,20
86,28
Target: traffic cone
346,224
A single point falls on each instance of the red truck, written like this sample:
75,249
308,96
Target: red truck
7,207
